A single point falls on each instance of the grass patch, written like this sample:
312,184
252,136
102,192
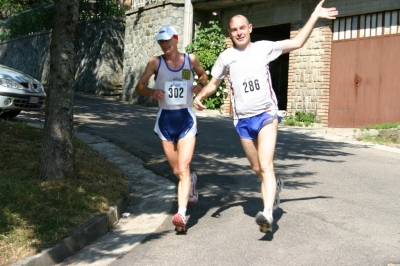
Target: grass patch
383,126
300,119
382,140
377,139
36,214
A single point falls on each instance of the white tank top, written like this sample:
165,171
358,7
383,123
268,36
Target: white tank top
177,85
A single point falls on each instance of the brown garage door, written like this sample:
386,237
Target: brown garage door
365,77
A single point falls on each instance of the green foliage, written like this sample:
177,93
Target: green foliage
38,17
91,11
207,45
387,125
289,122
28,22
304,117
299,119
307,123
10,7
379,139
381,126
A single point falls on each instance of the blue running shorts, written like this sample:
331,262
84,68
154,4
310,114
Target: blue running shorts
248,128
173,125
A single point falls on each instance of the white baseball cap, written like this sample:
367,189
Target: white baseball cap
166,33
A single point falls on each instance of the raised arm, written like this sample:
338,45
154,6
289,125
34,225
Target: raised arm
209,89
299,40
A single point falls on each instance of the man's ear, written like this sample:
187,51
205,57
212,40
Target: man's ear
250,27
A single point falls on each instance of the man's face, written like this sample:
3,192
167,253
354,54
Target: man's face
168,46
239,31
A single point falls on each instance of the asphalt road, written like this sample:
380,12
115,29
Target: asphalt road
340,204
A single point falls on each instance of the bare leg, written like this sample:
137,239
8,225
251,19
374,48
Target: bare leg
260,154
179,157
266,150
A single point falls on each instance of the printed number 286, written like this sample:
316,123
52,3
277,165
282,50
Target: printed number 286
251,85
175,92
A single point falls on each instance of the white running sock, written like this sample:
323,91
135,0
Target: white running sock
182,211
267,211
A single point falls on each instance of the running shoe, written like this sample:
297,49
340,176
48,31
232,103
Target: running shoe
179,221
265,222
276,202
193,196
279,184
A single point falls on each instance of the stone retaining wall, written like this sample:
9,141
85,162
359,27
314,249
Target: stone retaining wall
29,54
99,56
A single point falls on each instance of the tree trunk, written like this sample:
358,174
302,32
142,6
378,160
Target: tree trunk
58,153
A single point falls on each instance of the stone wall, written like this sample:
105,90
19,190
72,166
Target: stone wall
309,74
142,25
30,54
99,56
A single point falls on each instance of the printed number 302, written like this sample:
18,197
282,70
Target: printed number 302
250,85
175,92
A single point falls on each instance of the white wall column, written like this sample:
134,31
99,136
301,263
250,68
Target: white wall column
188,22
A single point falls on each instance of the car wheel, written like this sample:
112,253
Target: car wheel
9,113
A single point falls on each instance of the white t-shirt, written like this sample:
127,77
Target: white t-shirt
249,77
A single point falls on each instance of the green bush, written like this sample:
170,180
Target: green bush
304,117
307,123
106,8
299,119
289,122
207,45
387,125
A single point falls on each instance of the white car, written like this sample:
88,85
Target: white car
18,92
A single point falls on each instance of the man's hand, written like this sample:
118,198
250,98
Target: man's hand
197,103
197,88
329,13
158,94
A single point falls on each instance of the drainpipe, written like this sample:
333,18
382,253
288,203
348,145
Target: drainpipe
187,26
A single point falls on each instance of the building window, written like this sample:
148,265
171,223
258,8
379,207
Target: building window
369,25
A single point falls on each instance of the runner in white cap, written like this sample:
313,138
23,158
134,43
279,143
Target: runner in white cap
176,123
